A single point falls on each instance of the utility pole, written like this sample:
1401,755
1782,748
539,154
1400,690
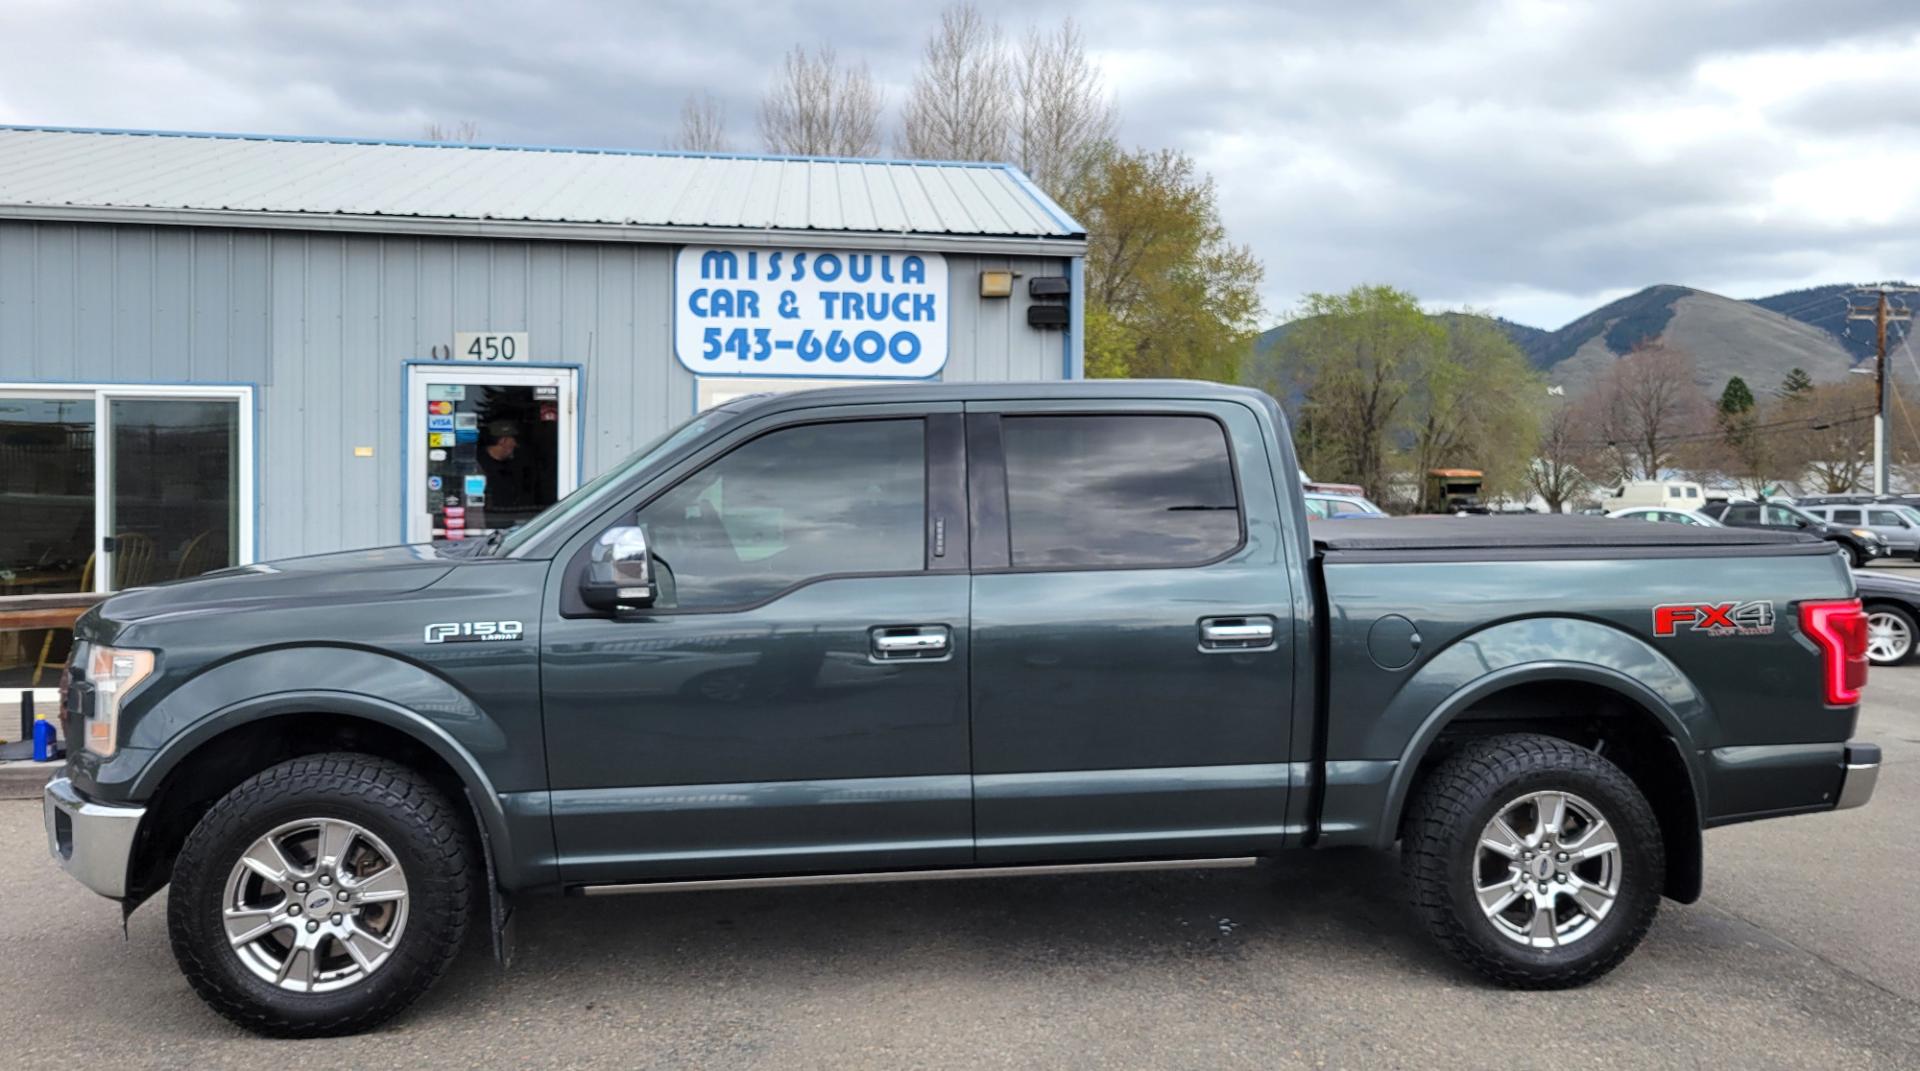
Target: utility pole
1881,312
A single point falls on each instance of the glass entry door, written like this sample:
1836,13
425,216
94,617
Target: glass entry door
487,448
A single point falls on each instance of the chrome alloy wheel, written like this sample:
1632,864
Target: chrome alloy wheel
316,905
1547,869
1888,638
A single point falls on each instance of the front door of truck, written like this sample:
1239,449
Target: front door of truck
796,697
1133,632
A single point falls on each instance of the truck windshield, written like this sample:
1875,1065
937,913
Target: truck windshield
590,496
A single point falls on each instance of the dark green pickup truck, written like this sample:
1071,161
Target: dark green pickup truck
944,631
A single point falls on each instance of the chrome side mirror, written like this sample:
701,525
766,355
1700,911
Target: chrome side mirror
619,571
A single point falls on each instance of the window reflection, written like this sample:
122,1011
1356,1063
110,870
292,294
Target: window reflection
1118,490
789,506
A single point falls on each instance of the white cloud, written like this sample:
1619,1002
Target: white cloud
1535,158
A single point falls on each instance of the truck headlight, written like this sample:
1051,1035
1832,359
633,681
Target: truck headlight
113,672
1871,537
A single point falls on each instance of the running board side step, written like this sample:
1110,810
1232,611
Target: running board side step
886,876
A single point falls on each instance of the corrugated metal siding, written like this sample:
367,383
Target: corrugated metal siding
459,182
323,324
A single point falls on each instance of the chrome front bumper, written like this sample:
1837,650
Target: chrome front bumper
91,841
1860,772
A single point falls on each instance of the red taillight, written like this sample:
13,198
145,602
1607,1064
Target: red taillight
1840,631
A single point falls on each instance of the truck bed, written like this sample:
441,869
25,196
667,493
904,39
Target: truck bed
1534,538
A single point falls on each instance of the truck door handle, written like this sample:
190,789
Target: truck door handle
1236,633
907,642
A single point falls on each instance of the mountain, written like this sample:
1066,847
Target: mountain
1825,307
1724,336
1759,340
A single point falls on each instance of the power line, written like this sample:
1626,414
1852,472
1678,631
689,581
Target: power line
1881,312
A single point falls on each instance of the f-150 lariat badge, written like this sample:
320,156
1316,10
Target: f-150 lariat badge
1751,618
473,631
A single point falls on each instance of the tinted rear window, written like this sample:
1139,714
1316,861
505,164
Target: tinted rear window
1118,490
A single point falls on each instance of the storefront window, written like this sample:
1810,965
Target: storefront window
46,494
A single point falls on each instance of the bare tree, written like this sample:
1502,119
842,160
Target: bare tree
1065,115
959,108
1650,406
703,125
466,131
815,107
1558,471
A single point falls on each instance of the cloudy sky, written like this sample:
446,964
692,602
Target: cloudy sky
1530,158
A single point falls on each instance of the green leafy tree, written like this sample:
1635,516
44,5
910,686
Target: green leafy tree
1351,361
1167,293
1475,404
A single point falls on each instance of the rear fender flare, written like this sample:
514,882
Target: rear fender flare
1507,655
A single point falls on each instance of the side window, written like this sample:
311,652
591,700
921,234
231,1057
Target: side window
792,505
1781,517
1885,518
1319,507
1118,490
1844,516
1742,515
1673,492
1693,492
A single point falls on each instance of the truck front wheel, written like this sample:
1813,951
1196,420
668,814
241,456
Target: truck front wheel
1533,861
321,896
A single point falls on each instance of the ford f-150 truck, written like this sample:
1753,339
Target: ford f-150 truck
939,631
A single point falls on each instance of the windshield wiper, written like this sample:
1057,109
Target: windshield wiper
493,541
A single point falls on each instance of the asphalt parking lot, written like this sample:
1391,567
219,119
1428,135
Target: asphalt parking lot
1805,953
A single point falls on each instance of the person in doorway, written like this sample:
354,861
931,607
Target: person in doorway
509,476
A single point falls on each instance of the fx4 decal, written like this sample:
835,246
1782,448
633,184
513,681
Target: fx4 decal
473,631
1751,618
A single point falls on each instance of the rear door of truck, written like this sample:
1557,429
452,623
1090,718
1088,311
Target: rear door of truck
1133,638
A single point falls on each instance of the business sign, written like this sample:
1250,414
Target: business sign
813,313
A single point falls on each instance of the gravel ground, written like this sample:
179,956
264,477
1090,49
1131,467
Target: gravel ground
1805,953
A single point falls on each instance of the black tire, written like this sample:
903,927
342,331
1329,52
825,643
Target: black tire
428,841
1856,557
1906,618
1440,856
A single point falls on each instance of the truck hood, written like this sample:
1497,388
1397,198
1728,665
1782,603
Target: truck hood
322,578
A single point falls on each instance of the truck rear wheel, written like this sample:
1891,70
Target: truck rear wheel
321,896
1533,861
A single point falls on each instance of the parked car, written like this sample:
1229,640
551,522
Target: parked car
1341,506
1862,545
944,631
1680,494
1665,516
1892,602
1898,525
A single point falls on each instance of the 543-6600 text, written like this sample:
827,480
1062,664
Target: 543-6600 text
759,343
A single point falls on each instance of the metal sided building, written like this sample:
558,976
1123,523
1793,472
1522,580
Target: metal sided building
217,349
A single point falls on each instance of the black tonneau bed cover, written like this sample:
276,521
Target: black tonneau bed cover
1523,538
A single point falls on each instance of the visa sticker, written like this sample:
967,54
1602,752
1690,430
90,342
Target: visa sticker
433,483
440,438
440,422
474,485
